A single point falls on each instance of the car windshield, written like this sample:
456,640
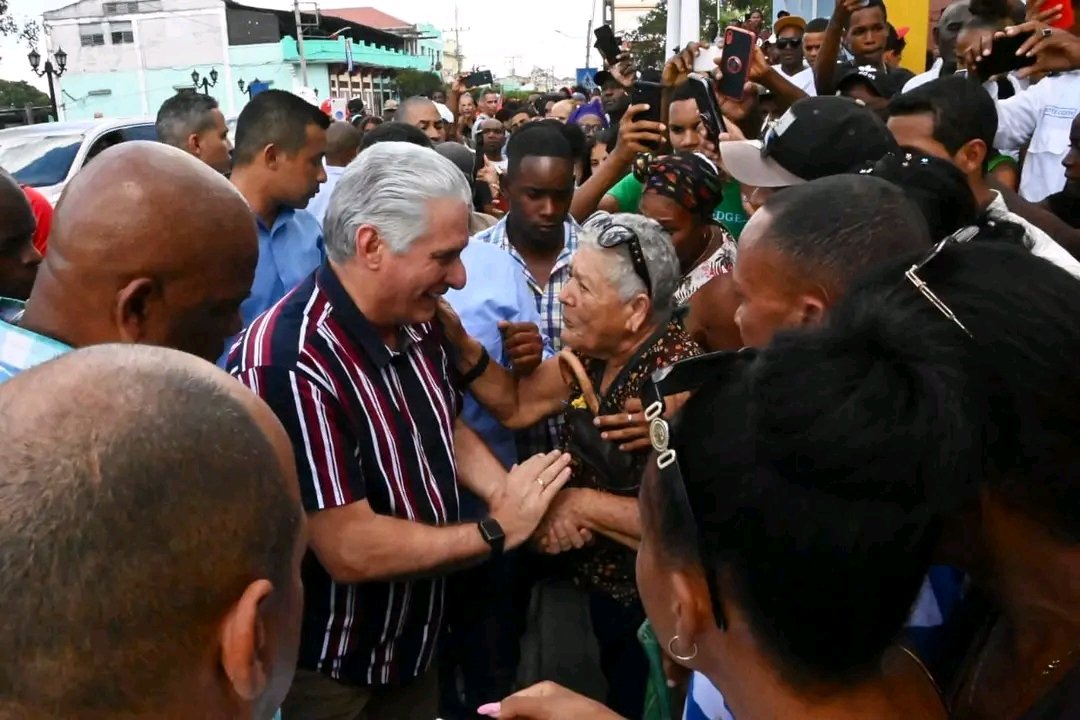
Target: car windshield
39,160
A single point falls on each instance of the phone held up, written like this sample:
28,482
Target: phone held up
1003,57
607,44
705,96
735,61
478,79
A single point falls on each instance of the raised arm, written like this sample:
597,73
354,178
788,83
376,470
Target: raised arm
825,66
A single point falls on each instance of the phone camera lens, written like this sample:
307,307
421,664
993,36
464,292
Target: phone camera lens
734,65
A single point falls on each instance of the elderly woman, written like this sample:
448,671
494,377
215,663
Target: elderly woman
589,117
681,191
617,329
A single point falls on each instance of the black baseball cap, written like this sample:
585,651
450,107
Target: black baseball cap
884,83
815,138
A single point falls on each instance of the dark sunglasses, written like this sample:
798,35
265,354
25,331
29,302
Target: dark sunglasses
784,43
685,376
959,237
615,235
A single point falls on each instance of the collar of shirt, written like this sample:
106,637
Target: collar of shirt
358,326
20,348
497,235
288,252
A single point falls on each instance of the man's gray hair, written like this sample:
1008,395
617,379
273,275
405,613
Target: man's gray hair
182,115
388,187
656,246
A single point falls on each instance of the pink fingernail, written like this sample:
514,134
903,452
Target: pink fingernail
489,710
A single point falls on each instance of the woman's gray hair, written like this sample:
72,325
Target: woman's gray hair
659,254
388,186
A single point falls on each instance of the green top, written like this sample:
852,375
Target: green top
729,213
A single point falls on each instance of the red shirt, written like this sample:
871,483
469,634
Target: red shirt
43,212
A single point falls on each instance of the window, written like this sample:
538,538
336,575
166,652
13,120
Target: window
90,35
122,33
120,8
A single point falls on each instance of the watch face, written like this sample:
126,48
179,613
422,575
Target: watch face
491,530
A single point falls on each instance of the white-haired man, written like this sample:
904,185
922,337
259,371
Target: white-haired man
363,380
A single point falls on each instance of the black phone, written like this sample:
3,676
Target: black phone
705,96
608,45
1003,57
478,78
735,61
646,93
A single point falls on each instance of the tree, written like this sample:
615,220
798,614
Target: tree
28,30
18,94
647,41
416,82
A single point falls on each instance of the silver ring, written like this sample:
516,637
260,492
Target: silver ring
1047,32
630,418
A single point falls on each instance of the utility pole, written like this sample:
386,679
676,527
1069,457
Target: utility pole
512,59
588,34
300,42
458,55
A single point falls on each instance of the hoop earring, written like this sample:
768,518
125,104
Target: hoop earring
677,656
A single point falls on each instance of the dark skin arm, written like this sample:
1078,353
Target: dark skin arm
825,67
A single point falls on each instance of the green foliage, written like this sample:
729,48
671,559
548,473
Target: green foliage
415,82
647,41
18,94
28,31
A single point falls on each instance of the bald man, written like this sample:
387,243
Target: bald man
342,145
149,245
420,112
561,111
150,542
19,259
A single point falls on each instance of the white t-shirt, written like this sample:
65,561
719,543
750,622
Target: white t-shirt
922,78
1041,116
1038,242
804,80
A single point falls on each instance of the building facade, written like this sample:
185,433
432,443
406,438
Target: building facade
126,58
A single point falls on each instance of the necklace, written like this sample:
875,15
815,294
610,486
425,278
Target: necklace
709,247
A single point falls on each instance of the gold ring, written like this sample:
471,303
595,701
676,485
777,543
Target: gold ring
541,483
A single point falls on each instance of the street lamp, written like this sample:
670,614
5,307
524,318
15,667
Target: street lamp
50,71
246,87
205,84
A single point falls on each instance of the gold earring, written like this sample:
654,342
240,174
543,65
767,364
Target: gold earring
677,656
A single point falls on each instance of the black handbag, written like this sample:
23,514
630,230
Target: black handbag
616,471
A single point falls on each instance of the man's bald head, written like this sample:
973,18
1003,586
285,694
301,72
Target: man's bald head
18,258
148,245
342,143
149,516
421,112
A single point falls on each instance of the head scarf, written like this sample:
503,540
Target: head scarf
690,179
593,107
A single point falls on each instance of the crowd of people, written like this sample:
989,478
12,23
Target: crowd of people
790,406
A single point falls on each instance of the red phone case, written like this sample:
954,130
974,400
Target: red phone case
735,62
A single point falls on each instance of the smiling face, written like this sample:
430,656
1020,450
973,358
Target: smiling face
414,280
789,48
595,319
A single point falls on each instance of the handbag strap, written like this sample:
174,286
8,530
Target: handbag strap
573,371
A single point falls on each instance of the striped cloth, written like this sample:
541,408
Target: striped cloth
367,423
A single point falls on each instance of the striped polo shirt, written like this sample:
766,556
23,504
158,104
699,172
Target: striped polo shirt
367,423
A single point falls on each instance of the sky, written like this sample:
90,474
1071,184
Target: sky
495,35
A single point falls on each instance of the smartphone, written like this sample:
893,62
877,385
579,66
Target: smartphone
735,61
705,96
703,63
478,78
646,93
607,44
1003,58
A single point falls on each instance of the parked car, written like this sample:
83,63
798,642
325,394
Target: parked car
46,156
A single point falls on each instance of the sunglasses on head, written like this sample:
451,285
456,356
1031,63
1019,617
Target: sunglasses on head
685,376
784,43
615,235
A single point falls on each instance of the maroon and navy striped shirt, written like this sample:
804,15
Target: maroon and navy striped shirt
367,423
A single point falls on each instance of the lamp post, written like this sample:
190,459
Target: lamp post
204,83
50,71
246,87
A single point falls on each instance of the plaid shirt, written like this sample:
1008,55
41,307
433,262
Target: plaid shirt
544,436
21,349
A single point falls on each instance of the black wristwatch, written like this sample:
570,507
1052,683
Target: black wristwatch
493,534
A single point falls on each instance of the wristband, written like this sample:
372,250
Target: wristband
478,369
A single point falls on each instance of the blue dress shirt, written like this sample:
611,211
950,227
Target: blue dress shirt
495,289
288,252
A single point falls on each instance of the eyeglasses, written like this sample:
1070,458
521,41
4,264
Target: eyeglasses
783,43
615,235
961,236
684,376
